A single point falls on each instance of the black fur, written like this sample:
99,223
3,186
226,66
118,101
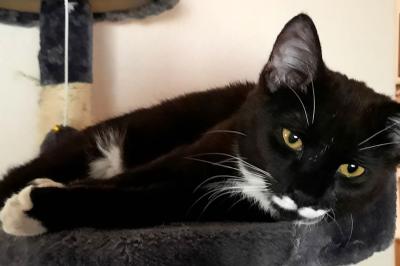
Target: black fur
169,150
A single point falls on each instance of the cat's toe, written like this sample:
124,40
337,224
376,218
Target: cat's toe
14,218
46,182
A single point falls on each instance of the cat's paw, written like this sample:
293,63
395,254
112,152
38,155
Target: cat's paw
13,216
45,182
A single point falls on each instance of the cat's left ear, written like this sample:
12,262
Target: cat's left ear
295,58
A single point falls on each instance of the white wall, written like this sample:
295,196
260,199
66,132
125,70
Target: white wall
206,43
19,94
197,45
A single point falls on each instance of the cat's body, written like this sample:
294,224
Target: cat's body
302,142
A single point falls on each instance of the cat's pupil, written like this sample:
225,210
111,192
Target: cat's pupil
293,138
351,168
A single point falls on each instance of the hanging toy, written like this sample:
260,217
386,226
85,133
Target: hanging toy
66,82
56,135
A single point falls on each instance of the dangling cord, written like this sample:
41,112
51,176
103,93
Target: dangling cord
66,74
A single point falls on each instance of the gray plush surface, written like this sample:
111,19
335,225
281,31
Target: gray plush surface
347,241
32,19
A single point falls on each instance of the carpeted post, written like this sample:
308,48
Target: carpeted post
51,61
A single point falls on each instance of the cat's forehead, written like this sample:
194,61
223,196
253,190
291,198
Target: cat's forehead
339,108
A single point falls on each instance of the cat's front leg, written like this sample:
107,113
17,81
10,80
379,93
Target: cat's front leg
49,206
15,216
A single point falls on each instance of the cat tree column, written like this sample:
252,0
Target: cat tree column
50,15
54,98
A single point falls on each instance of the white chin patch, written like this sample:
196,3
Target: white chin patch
310,213
285,203
255,187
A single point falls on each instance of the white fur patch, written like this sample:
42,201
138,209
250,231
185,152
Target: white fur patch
310,213
285,203
13,216
111,164
254,187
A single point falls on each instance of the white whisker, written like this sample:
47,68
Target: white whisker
379,132
351,230
212,163
313,93
220,191
379,145
302,104
213,199
212,178
238,159
241,198
225,131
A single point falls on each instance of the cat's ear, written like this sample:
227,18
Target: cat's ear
296,56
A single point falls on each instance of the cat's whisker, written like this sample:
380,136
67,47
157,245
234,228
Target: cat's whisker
313,93
239,159
216,187
378,145
380,131
333,217
220,191
200,198
212,163
215,198
302,104
212,178
261,173
234,190
226,131
219,154
222,188
351,230
241,198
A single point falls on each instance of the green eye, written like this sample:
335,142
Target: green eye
351,170
292,140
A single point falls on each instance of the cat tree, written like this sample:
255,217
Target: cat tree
348,241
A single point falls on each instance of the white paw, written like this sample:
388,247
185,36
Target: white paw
46,182
13,216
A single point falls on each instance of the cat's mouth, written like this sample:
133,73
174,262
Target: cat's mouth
306,215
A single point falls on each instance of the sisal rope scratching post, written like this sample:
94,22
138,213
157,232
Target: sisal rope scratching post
65,74
69,104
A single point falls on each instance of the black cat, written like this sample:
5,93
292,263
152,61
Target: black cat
302,144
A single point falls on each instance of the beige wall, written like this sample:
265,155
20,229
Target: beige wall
197,45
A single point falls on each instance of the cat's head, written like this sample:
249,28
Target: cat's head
316,139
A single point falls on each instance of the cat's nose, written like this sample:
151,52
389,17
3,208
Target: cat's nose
302,198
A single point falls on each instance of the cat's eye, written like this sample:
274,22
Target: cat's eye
292,140
351,170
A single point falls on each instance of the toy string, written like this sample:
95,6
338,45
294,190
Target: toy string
66,74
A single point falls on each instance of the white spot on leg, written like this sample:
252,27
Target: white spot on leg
310,213
285,203
110,164
13,216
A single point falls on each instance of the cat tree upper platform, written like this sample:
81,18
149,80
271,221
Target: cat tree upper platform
33,6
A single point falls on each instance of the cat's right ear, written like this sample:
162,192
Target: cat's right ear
295,58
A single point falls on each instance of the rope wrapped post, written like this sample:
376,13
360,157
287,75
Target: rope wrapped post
57,103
